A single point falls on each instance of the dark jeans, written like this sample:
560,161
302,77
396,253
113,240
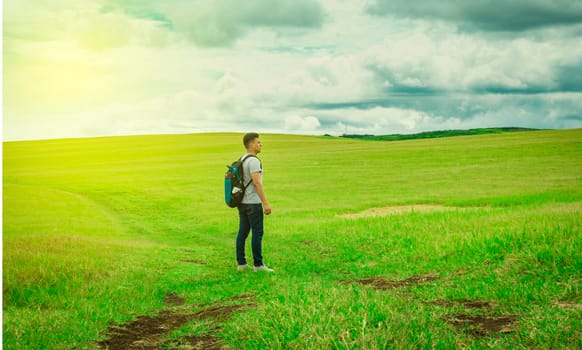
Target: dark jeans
250,217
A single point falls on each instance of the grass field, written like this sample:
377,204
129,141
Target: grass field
464,242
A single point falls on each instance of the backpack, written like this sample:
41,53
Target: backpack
234,186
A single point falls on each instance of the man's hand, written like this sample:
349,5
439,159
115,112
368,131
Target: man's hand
267,209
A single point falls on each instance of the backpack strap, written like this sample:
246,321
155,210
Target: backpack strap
243,170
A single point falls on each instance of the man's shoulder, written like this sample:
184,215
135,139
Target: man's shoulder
252,162
250,157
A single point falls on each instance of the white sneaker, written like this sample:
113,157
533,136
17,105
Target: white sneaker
263,268
242,267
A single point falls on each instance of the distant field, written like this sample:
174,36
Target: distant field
434,134
464,242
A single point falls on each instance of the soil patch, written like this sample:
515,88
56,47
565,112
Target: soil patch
401,209
195,342
383,283
566,305
468,304
173,299
243,297
147,332
481,325
220,313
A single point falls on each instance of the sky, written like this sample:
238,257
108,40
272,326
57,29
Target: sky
123,67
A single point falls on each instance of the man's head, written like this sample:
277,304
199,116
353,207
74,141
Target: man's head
252,142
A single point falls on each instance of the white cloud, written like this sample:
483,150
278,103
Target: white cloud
301,124
380,120
457,62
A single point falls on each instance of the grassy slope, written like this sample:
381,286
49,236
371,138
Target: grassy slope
96,231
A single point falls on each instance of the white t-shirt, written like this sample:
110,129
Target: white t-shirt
251,165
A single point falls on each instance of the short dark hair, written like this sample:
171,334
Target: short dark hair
248,138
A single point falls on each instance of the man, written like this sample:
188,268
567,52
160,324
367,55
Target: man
252,207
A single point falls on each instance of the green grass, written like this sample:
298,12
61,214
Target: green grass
96,232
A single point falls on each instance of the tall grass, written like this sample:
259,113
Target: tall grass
99,231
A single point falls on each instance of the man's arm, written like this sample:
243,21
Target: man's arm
258,182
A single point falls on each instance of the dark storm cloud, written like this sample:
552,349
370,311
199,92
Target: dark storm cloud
569,78
513,16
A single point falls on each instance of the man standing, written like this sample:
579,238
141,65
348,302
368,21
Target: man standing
252,207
